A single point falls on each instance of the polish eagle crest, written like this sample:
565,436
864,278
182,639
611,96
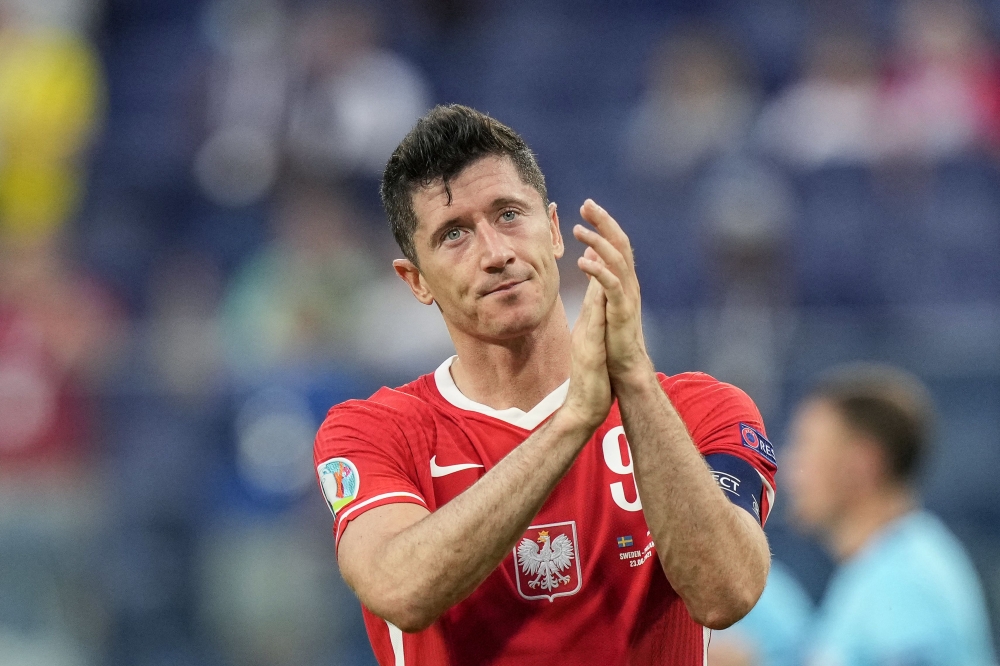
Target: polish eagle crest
546,563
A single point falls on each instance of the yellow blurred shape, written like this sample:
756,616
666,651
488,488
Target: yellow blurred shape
51,96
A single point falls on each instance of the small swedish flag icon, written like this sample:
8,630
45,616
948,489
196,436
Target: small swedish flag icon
624,541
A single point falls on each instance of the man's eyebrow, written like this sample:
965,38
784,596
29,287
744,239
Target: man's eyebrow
500,202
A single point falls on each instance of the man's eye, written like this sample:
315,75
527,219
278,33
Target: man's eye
508,216
453,234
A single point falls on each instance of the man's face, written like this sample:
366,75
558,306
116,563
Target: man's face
488,258
819,464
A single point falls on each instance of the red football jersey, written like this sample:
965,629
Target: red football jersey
584,584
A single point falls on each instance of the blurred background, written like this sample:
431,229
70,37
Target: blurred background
194,266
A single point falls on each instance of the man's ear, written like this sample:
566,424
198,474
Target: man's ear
557,239
410,274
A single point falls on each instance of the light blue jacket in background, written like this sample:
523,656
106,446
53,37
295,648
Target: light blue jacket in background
910,597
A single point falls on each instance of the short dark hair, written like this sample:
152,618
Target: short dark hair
444,142
889,405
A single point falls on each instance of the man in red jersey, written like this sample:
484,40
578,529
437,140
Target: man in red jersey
490,513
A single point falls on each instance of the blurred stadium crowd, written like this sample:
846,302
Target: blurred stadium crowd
194,265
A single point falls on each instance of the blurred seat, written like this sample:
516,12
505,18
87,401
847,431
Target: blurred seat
962,227
833,239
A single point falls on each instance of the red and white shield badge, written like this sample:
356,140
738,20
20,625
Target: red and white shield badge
547,562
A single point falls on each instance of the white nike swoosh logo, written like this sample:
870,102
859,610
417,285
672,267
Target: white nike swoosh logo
437,471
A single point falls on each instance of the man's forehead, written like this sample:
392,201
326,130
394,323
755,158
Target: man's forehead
823,415
477,185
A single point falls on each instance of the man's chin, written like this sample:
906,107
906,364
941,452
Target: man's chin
806,521
510,325
510,330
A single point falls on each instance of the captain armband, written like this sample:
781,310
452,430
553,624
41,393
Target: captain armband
739,481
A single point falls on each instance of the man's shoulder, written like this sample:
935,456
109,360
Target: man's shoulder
922,555
390,420
694,383
406,402
688,381
895,606
915,566
696,395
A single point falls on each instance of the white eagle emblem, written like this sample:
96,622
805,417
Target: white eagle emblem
547,563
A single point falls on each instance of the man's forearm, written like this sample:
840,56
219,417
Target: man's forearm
715,559
441,559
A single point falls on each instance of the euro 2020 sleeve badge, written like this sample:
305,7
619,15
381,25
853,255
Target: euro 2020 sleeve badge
547,562
340,482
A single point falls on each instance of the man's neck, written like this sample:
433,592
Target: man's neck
515,373
867,519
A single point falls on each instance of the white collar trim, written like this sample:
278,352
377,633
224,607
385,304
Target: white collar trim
528,420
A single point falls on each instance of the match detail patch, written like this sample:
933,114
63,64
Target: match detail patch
339,479
739,481
752,439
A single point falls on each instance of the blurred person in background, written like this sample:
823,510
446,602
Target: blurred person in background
283,329
59,329
905,592
700,101
352,99
56,330
185,345
246,100
51,102
394,333
939,95
58,333
828,116
774,632
746,208
291,305
690,124
308,86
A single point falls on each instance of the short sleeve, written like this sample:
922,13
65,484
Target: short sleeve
722,419
363,460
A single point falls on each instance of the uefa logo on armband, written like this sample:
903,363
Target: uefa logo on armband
752,439
338,477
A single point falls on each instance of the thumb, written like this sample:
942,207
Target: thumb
597,324
589,298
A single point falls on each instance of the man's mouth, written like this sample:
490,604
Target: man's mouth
502,287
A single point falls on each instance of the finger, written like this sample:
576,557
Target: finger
597,324
607,252
591,253
601,220
612,286
585,309
599,313
589,303
607,226
594,295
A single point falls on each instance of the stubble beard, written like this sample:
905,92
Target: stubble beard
509,328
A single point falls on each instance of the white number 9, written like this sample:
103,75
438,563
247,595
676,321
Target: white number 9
613,459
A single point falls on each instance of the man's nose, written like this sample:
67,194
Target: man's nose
496,251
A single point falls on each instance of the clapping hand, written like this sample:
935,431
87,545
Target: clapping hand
608,259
